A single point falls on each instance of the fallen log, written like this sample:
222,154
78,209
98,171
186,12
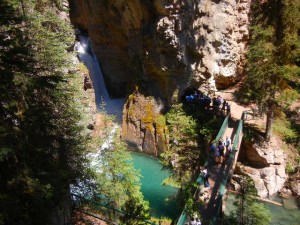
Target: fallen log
258,198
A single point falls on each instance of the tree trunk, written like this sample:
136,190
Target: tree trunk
23,7
270,118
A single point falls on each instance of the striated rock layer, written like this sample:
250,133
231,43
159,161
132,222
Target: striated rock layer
165,45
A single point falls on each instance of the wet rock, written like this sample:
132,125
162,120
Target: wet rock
285,193
289,204
295,185
87,83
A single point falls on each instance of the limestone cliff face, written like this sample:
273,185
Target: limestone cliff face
143,127
211,36
265,164
165,45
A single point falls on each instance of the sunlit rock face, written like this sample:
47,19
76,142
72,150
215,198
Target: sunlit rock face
265,164
212,37
165,45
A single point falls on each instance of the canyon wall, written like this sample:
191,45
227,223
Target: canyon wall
163,46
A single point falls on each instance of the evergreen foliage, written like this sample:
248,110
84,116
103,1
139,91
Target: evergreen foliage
190,130
42,144
120,183
273,56
184,150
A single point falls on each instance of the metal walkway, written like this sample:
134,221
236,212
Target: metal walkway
212,197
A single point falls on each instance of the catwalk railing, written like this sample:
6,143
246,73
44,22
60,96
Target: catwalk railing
230,163
183,217
108,212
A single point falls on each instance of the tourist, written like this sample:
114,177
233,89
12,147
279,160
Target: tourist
220,100
193,221
215,153
227,142
198,222
228,108
229,150
224,106
206,174
221,149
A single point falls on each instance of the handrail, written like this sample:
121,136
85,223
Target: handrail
199,180
222,129
108,207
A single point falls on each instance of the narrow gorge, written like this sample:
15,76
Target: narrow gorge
160,48
149,112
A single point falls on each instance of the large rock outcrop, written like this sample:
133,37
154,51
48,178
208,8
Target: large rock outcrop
143,127
211,38
165,45
265,164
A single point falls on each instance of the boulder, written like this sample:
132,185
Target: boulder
285,193
295,185
266,165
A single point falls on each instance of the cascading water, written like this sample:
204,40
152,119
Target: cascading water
160,197
113,107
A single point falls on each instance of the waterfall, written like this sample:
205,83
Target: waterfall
113,107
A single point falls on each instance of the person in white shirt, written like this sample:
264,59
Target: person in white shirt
227,142
198,222
193,222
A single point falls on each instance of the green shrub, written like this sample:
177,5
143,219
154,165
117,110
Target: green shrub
282,127
289,168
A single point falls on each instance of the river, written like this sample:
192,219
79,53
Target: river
288,214
161,198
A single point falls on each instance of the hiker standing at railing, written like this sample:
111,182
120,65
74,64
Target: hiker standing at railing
227,142
228,151
228,108
221,148
206,174
215,154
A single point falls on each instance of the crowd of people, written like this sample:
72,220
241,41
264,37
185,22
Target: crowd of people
221,150
196,97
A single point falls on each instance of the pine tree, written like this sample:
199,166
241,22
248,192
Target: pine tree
42,144
120,182
273,56
183,152
248,211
